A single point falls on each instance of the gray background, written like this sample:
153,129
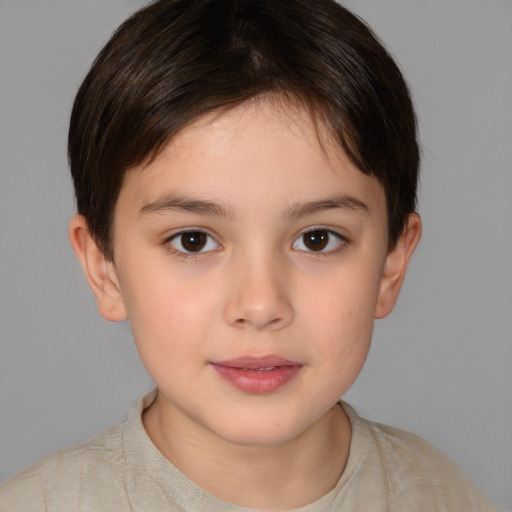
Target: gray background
439,366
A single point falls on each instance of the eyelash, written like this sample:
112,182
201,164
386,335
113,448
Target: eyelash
341,242
191,254
318,231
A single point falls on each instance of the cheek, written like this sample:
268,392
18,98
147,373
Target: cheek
168,312
342,315
171,314
167,335
345,301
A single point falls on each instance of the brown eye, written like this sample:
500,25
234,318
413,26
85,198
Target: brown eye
319,240
193,241
316,240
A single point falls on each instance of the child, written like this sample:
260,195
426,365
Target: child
245,174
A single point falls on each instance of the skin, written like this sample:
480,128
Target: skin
269,174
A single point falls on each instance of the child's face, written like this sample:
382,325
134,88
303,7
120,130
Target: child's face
251,260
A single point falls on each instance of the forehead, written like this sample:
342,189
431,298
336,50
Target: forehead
264,148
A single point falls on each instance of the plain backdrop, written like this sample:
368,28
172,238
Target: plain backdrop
440,366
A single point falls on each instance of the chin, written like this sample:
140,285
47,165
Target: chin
261,439
259,432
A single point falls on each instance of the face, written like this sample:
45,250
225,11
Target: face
250,256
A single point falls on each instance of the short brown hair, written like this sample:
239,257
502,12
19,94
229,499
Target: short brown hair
176,60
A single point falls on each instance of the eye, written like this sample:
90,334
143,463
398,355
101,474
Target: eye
319,240
193,242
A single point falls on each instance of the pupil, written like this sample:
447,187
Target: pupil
194,241
316,240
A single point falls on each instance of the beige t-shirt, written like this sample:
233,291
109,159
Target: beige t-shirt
122,470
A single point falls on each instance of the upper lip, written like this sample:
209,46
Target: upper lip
255,363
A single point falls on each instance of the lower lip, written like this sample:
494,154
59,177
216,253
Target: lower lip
258,382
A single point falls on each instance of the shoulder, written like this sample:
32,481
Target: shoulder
418,476
406,452
62,476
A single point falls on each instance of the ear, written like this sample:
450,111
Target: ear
395,266
100,272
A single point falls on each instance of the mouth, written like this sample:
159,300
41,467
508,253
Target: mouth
257,375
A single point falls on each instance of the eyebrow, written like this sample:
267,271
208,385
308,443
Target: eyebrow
205,207
187,205
345,202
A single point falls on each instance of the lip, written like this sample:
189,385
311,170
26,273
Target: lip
257,375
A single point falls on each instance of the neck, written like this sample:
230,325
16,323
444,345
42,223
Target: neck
282,477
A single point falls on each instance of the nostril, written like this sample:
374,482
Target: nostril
257,308
246,322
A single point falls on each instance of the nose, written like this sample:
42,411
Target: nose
259,296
